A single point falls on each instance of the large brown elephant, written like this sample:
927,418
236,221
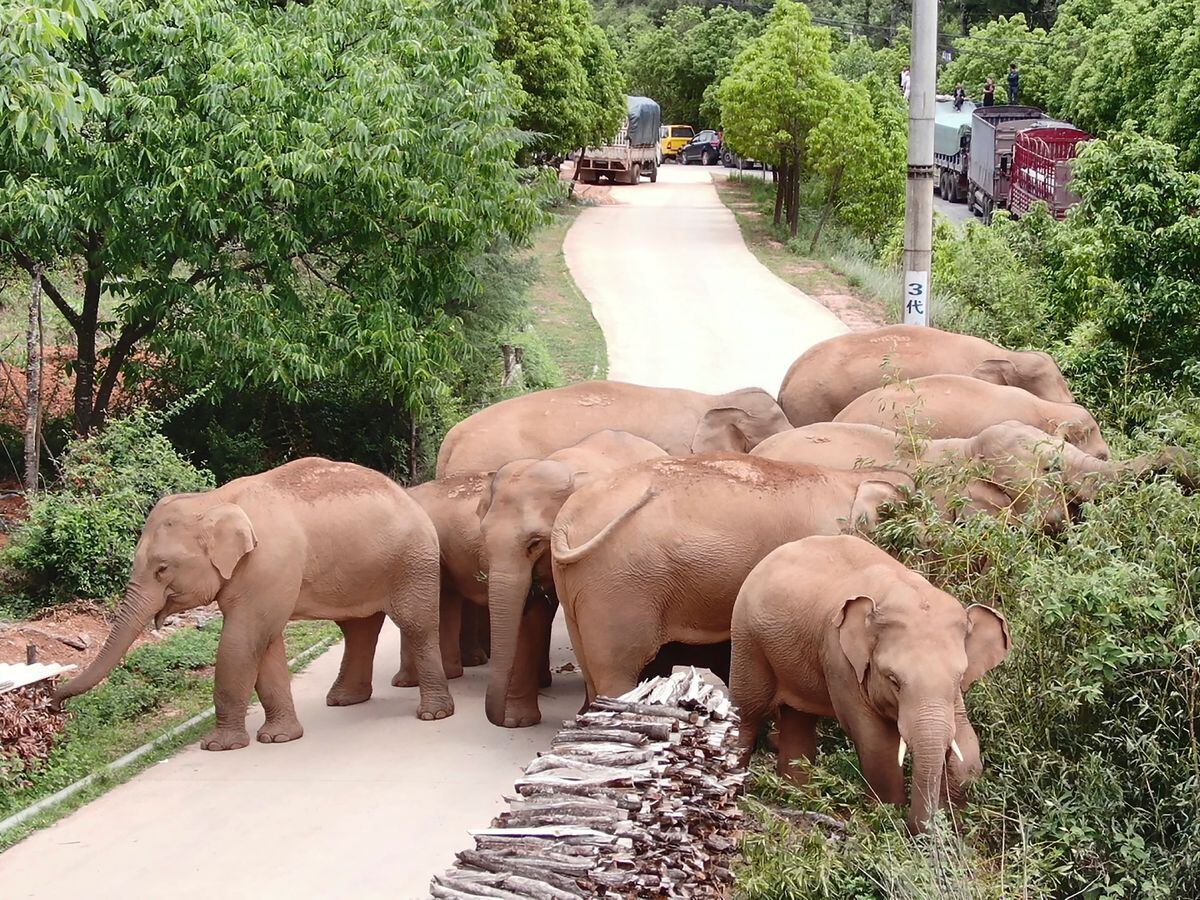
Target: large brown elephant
534,425
312,539
823,381
452,505
946,406
517,511
656,553
1033,469
834,627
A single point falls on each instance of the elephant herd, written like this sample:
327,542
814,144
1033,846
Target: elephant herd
657,518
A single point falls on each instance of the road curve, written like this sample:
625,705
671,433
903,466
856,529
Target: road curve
681,300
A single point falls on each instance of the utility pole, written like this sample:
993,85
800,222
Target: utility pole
918,206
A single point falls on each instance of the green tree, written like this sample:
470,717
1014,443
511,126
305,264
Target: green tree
989,49
572,90
289,192
778,89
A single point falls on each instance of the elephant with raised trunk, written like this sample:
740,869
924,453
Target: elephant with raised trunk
834,627
656,553
829,375
681,422
517,511
312,539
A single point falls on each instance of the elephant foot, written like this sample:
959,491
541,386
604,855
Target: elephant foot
476,657
280,732
348,694
441,708
545,679
521,717
404,678
226,739
453,671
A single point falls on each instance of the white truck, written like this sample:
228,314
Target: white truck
633,153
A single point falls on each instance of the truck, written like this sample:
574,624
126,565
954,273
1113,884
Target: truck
994,131
633,153
951,148
1041,169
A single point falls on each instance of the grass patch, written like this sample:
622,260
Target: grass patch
156,688
563,319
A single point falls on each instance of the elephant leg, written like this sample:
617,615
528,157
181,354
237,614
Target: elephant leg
797,740
353,683
618,644
275,691
414,606
474,634
521,702
545,677
244,641
752,687
878,744
450,630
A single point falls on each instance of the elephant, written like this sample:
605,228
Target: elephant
516,513
680,422
834,627
1031,468
829,375
947,406
656,553
452,504
311,539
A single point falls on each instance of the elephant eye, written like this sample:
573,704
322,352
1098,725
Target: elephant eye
893,679
533,543
160,569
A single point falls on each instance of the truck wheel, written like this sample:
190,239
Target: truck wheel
635,173
653,174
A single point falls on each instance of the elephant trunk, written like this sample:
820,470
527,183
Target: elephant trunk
137,609
508,589
931,731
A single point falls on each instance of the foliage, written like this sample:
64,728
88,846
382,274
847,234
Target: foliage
989,49
680,62
263,171
42,97
79,539
571,87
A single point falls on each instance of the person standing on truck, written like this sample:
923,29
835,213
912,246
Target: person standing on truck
960,96
904,82
1014,84
989,91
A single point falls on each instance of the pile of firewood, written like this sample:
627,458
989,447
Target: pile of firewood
635,798
28,726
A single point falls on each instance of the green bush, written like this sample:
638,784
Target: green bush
80,537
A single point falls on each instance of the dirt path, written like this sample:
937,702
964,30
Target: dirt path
681,300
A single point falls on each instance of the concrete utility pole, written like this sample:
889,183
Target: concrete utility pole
918,207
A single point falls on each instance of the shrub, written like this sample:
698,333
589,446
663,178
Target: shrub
80,537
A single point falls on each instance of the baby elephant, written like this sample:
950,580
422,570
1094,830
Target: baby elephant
833,626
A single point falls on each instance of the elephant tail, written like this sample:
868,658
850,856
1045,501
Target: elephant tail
564,555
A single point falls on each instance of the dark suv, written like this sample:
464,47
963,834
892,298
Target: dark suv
705,149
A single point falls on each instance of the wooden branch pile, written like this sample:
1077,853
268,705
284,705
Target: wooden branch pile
635,798
28,726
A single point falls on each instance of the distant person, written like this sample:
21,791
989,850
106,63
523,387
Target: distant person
1014,84
960,96
904,82
989,91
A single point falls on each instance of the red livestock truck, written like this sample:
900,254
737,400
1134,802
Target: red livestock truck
1041,168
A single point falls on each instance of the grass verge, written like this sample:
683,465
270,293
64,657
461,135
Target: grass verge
562,315
840,274
156,688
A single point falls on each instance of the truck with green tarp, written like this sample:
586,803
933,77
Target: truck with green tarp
952,148
633,153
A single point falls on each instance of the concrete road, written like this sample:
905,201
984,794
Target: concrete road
368,804
955,212
681,300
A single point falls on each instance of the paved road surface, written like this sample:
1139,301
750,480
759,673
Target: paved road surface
955,212
371,802
681,300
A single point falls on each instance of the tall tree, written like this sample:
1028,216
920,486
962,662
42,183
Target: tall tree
262,171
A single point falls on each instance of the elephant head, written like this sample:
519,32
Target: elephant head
516,512
1033,371
913,656
738,422
187,552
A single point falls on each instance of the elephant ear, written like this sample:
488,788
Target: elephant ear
869,497
997,371
721,429
485,496
854,634
227,536
987,642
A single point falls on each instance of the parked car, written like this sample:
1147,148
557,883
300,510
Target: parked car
673,138
704,148
730,160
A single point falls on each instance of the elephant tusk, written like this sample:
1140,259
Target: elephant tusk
957,752
903,751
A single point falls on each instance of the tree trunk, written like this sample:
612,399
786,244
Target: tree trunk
85,339
780,175
826,210
794,194
33,382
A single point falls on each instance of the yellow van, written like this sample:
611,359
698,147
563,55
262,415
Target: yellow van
673,138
